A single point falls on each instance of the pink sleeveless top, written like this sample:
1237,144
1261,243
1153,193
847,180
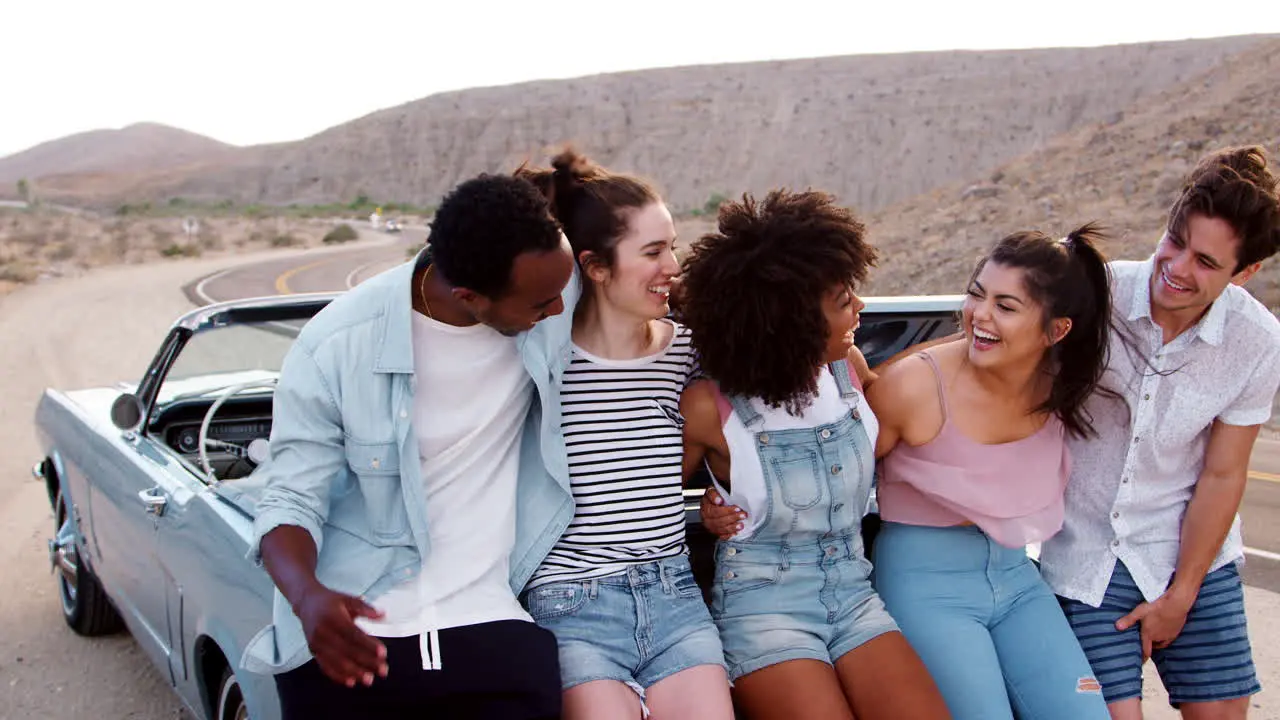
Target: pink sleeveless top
1012,491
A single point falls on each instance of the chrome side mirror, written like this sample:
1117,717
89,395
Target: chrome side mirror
126,412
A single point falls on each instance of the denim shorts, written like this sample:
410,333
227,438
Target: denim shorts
1209,660
637,627
777,603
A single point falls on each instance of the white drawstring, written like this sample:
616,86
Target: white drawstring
430,646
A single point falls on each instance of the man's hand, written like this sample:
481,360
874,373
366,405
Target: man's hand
344,652
1161,621
723,521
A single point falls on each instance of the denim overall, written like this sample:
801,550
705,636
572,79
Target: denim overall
798,587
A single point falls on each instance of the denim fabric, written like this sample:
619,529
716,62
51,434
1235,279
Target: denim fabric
1209,660
344,461
798,587
985,624
638,626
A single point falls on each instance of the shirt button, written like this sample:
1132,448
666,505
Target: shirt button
1135,440
825,434
1115,543
1124,480
835,469
1147,396
731,551
1115,514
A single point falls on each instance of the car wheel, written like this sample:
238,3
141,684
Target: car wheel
85,605
230,700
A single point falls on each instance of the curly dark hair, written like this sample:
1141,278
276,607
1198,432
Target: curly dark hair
483,225
752,292
1235,185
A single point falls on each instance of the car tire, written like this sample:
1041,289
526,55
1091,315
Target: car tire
230,699
85,605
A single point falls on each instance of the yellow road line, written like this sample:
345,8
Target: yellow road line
1259,475
282,282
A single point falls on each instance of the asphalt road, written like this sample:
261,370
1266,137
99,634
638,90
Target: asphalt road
337,271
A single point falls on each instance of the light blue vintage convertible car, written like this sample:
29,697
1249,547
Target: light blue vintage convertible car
153,490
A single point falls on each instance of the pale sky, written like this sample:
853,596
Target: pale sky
254,71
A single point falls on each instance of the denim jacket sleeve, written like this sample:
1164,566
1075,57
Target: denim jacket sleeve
307,451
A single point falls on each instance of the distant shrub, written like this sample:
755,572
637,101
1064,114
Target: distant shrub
286,240
173,250
341,234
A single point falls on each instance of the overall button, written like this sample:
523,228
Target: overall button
835,469
826,433
375,463
837,507
831,551
855,414
764,438
728,575
404,414
731,552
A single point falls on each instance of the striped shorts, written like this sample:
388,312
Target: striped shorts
1210,660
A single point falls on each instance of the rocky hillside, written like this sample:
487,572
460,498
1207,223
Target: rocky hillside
1124,172
876,129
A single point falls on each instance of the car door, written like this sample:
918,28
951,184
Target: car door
133,487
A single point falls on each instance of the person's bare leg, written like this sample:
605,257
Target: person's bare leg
884,678
1127,709
602,699
792,690
699,693
1233,709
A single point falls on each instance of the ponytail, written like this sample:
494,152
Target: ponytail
1080,358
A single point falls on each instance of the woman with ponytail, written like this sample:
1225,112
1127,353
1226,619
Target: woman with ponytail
617,590
975,463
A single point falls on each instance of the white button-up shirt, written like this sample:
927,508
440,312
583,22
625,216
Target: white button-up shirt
1130,486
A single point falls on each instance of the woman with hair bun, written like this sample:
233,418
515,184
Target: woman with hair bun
784,428
617,590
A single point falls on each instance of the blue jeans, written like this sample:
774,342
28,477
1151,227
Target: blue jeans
985,624
638,627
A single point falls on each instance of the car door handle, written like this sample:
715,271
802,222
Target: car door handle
154,500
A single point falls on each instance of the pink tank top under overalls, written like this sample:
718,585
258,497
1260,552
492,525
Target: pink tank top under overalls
1012,491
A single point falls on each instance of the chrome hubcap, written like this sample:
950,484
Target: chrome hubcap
65,558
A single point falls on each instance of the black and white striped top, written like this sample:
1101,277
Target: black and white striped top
622,431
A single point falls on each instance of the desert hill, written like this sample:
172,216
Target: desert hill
1124,173
875,129
138,148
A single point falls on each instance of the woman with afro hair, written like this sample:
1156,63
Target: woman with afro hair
787,434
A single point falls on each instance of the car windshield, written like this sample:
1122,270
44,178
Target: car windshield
217,358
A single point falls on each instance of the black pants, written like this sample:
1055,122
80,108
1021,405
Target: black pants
505,670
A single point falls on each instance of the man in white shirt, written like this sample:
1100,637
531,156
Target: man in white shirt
418,476
1145,564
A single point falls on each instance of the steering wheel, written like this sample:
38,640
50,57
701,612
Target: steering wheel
255,451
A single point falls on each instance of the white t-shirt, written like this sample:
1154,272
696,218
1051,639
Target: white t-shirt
471,399
749,491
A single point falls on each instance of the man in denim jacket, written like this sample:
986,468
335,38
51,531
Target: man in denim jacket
418,476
